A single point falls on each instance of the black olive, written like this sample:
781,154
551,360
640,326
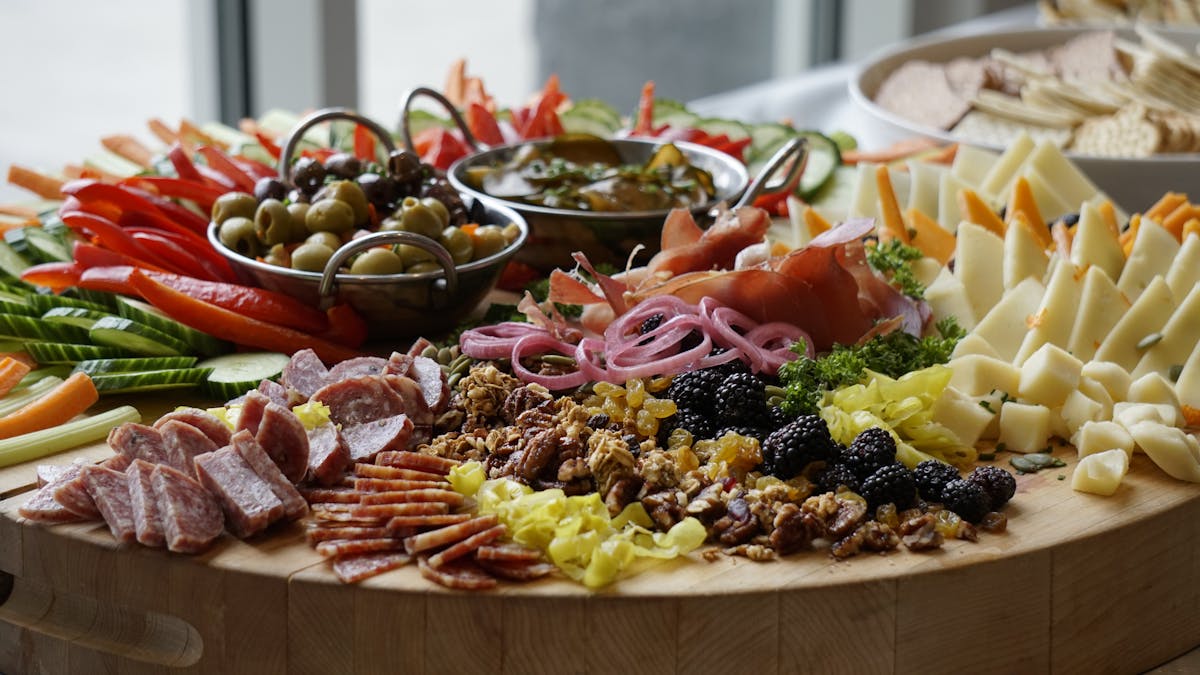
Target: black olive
445,193
297,196
308,174
404,166
269,188
380,190
344,165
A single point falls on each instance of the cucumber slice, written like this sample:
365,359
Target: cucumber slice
235,374
15,238
46,353
133,365
597,110
13,303
764,137
115,331
11,262
674,114
149,380
102,298
823,158
76,316
18,288
44,302
146,314
33,328
715,127
45,246
574,123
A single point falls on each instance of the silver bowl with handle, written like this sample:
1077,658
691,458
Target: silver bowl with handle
394,305
609,236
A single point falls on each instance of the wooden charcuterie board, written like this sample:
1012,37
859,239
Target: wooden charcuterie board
1079,583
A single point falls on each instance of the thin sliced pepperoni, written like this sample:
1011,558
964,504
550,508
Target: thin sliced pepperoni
392,473
515,571
464,547
460,574
339,547
445,536
352,569
416,461
407,496
508,553
436,520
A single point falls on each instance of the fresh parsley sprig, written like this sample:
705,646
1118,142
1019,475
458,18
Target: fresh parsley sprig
894,259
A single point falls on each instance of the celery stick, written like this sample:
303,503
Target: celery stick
17,399
38,444
41,374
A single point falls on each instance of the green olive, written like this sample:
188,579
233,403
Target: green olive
439,208
350,192
377,261
311,257
273,222
238,234
298,211
329,215
391,225
411,255
458,243
489,240
233,205
278,255
419,218
422,267
327,239
511,231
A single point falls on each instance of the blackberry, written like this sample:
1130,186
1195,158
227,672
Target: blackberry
890,484
778,417
747,431
698,424
741,400
729,367
695,391
806,439
653,321
996,482
870,450
931,476
834,475
966,498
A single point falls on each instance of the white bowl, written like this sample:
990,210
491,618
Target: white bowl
1135,184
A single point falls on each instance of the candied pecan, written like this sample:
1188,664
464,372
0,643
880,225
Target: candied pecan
847,517
737,525
920,534
525,397
665,507
622,492
967,532
533,421
877,536
711,554
848,545
823,506
536,456
709,504
609,459
791,529
573,468
755,552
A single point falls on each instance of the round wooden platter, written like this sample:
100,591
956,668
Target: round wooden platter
1079,583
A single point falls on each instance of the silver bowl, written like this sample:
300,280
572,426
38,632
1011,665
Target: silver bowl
609,237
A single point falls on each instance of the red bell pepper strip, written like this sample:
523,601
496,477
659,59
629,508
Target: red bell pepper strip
319,154
256,169
346,326
439,147
520,116
364,143
183,164
230,325
90,256
483,124
204,195
176,212
645,114
154,219
56,276
106,210
178,256
222,164
111,236
268,144
215,267
110,279
734,148
776,202
217,179
256,303
133,205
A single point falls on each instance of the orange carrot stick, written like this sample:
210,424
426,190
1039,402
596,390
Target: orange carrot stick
38,183
816,224
73,396
893,222
975,210
162,132
130,148
932,239
1165,205
11,372
896,151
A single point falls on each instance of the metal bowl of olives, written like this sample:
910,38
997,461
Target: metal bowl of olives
627,221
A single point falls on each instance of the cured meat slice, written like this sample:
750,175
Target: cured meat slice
42,507
345,517
356,367
117,463
46,473
72,494
315,535
361,399
305,373
216,430
294,505
392,473
515,571
465,546
283,436
419,346
328,456
433,383
356,546
386,485
448,535
416,461
367,440
246,500
329,495
406,509
436,520
190,515
110,490
352,569
399,364
184,443
413,398
462,574
147,523
275,392
408,496
138,441
508,553
250,416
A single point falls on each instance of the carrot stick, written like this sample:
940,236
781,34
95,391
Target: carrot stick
1022,201
1174,222
893,222
932,239
11,372
18,211
896,151
816,224
1109,213
1165,205
192,133
162,132
975,210
39,184
130,148
1129,235
455,88
76,394
944,155
1191,227
74,171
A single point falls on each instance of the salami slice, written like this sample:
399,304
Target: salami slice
282,435
294,505
138,441
399,523
357,367
413,399
352,569
110,490
315,535
328,456
346,518
409,496
392,473
250,416
184,443
275,392
508,553
447,535
399,364
46,473
515,571
72,495
462,574
432,379
397,485
391,510
246,500
191,518
304,373
462,548
147,523
117,463
338,547
367,440
42,507
361,399
216,430
416,461
329,495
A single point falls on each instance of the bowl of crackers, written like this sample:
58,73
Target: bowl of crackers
1123,104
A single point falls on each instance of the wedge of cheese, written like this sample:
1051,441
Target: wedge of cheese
1175,452
1179,338
973,344
925,181
1101,306
864,199
979,261
1005,326
1154,251
1023,255
1185,269
1149,313
948,213
1002,172
1187,388
1049,202
1095,245
1070,183
1100,473
971,164
948,297
1051,323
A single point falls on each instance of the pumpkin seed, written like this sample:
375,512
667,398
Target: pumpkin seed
1023,464
1149,341
558,360
429,352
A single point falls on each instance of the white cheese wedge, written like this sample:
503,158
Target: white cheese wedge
1095,245
972,164
948,213
1175,452
1184,273
926,270
962,415
1128,414
1077,410
978,263
1154,388
924,181
1005,168
1179,337
1153,251
1113,378
1096,391
1049,375
1051,323
973,344
1050,203
1149,313
1024,427
1100,473
1094,437
948,297
1187,387
1005,326
1101,306
1068,180
976,375
864,199
1023,256
991,403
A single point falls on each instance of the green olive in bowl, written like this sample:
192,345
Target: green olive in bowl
311,257
234,205
377,261
238,234
329,215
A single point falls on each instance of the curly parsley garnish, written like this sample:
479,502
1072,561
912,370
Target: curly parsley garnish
894,259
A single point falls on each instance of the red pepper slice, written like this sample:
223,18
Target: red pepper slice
204,195
645,116
183,164
96,207
364,143
483,125
230,325
217,179
111,279
223,164
89,256
346,326
516,276
256,303
111,236
176,212
256,169
733,148
173,253
56,276
442,148
213,265
268,144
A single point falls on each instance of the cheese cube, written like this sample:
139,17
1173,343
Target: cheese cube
1095,437
962,415
1175,452
1096,391
992,403
975,375
1128,414
1101,473
1058,425
974,344
1049,375
1024,427
1114,378
1078,410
